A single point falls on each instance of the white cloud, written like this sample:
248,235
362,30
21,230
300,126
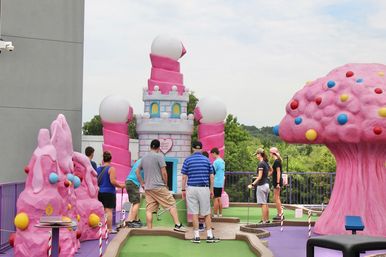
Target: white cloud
253,54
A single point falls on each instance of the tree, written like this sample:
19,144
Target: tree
193,100
94,127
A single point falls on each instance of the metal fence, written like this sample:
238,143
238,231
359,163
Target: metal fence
9,193
302,188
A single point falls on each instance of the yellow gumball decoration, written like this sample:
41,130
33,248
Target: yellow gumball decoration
344,97
49,210
382,112
311,134
381,73
78,217
69,206
93,220
21,220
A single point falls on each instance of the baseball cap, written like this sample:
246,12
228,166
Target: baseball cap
258,150
197,145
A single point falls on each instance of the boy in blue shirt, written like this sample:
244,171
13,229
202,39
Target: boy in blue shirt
132,189
219,168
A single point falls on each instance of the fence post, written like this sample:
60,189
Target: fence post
290,189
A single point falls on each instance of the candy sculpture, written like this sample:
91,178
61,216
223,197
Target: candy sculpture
346,111
61,139
210,113
40,197
87,203
116,112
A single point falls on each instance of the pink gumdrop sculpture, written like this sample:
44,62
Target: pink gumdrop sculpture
87,197
40,197
346,111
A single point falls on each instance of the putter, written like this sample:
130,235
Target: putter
159,213
249,196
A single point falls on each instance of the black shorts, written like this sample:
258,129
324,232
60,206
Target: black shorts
109,200
217,192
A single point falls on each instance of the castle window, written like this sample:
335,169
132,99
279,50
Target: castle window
176,110
154,110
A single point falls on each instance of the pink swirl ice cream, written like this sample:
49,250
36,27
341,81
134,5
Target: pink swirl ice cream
346,111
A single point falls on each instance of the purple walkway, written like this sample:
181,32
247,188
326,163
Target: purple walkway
292,243
87,249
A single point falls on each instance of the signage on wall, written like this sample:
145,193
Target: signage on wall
166,144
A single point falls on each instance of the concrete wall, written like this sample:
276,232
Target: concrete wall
41,78
97,141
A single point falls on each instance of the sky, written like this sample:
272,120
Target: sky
254,55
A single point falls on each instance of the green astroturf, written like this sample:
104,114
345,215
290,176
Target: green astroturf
255,214
166,219
240,212
165,246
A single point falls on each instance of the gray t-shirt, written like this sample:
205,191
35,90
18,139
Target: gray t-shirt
151,164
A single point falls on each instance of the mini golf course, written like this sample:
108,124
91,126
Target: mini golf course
166,246
238,212
255,214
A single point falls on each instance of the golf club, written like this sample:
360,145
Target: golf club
159,213
248,199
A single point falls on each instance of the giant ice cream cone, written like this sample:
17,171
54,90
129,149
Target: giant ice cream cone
210,113
116,112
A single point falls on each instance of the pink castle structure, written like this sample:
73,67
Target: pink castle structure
165,118
346,111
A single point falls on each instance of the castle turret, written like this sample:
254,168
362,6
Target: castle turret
165,117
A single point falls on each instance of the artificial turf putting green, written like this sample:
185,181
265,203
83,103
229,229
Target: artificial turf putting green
166,246
240,212
255,214
166,219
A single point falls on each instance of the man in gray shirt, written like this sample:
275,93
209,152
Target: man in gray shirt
156,191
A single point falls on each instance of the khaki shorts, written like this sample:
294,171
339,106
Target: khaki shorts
159,196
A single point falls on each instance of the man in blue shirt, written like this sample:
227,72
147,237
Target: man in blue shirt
219,168
197,175
132,189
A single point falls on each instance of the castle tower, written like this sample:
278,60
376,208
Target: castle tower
165,116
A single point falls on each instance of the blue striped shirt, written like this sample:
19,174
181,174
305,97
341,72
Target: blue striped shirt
198,169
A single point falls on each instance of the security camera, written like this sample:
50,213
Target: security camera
6,45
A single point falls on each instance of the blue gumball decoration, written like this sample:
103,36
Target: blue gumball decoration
342,119
53,178
331,84
298,120
276,130
70,177
77,182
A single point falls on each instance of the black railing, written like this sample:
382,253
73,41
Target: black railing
302,188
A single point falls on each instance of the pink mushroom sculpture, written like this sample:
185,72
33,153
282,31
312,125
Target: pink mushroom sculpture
40,197
87,198
346,111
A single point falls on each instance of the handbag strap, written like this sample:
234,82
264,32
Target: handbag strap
100,176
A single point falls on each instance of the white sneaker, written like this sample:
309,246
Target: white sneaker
215,216
220,215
